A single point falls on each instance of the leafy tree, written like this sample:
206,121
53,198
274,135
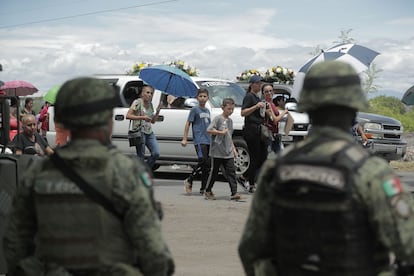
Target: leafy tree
344,37
393,107
370,75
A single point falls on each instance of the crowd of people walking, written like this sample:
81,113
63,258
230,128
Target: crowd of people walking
323,207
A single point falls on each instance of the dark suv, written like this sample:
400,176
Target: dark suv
384,134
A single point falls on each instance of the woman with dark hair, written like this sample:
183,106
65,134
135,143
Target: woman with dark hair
273,117
253,111
28,105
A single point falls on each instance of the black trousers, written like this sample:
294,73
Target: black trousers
257,150
202,167
229,170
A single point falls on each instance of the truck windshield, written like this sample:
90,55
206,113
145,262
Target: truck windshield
219,90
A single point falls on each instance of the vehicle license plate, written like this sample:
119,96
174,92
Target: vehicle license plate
399,150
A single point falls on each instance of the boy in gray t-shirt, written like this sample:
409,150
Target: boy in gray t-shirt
222,150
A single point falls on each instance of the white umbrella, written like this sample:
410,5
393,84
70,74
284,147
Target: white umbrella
358,56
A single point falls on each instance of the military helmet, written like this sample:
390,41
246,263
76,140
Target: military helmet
85,102
331,83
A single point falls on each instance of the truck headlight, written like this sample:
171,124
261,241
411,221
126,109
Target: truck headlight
371,128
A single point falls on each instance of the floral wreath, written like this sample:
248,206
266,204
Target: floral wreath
246,74
279,74
274,74
137,67
191,71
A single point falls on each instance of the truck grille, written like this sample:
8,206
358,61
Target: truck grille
391,127
394,131
300,127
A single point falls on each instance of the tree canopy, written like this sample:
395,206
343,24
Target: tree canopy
393,107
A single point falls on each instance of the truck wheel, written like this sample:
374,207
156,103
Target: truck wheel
242,162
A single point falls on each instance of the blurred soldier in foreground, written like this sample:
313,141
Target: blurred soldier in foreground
325,206
58,229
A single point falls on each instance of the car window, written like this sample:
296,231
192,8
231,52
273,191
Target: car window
219,90
131,91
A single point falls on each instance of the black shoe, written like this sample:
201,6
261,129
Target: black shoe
252,189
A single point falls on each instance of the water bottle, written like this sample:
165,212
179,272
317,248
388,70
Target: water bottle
219,138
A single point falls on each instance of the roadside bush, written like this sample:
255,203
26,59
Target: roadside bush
393,107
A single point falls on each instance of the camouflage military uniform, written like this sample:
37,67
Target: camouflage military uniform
393,221
56,229
349,228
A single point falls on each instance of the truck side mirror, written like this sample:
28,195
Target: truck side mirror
190,102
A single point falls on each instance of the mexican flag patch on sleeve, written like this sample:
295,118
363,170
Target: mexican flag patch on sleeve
392,186
146,179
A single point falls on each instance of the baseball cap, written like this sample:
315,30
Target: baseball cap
255,78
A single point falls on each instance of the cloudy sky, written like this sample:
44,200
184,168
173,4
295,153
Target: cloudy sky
47,42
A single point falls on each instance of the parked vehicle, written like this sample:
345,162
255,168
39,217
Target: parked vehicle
384,135
170,126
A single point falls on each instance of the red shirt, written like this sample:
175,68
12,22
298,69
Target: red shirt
44,118
272,125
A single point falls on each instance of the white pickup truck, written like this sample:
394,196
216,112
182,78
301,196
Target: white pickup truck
170,126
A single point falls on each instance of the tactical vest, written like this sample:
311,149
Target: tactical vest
74,231
321,226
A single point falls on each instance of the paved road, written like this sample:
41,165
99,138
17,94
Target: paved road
407,178
203,235
180,172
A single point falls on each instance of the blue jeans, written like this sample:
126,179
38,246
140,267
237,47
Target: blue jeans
149,141
274,145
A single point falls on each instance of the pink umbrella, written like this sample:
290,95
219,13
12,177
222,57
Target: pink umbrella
18,88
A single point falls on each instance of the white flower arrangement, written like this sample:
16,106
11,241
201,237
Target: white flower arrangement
274,74
246,74
191,71
279,74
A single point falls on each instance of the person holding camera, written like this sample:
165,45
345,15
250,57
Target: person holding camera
272,118
252,111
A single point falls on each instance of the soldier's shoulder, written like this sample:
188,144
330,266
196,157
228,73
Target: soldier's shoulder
374,164
116,154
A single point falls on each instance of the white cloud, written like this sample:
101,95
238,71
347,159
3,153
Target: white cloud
218,44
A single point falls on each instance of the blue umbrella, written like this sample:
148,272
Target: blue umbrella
170,80
408,97
358,56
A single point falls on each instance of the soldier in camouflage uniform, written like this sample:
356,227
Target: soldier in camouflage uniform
325,206
58,230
